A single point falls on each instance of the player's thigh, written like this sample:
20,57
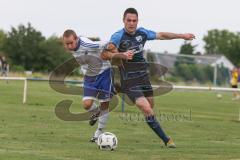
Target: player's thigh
90,91
89,96
105,86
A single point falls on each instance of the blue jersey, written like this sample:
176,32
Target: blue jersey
125,41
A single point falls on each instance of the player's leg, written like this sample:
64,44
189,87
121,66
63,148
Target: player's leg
105,93
91,106
148,93
150,101
170,143
144,105
88,104
236,94
90,93
104,114
141,88
102,120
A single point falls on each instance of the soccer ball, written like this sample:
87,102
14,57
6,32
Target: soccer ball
219,96
107,141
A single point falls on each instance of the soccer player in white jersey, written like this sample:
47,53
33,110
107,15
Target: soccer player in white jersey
98,83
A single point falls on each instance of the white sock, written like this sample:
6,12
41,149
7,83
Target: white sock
102,120
97,133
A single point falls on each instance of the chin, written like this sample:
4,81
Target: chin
71,49
132,31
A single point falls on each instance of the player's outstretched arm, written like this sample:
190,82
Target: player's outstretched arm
169,36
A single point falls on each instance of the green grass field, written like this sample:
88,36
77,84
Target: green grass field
32,131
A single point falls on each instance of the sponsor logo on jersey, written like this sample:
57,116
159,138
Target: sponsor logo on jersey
139,38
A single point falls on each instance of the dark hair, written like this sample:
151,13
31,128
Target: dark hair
69,32
130,10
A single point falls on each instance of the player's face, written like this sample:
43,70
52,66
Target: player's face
70,43
130,22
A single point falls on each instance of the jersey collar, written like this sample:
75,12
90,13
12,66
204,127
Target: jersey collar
131,34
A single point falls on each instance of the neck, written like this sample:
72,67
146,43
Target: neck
131,33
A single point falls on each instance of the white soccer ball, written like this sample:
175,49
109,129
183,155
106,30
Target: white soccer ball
219,96
107,141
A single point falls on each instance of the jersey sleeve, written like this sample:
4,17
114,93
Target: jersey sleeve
116,38
151,35
89,43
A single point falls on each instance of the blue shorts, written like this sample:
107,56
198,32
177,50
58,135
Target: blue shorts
99,87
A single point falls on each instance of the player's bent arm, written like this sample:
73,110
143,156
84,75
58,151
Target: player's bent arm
111,53
169,36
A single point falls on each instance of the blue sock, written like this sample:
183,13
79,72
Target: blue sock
154,124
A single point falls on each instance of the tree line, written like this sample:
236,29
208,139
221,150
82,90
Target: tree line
217,42
27,49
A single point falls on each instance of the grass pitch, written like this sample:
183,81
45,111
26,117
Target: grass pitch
202,126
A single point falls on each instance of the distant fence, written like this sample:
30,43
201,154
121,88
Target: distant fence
175,87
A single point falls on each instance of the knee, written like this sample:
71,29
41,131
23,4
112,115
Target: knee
148,111
87,104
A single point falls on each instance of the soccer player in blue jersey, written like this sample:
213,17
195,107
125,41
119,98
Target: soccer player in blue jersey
97,79
137,84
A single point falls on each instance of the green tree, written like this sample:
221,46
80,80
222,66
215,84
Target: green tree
184,71
187,48
182,66
223,42
23,46
3,37
52,54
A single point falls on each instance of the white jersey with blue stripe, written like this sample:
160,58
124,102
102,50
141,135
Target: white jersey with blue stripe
89,54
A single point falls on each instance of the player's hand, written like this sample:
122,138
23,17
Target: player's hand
188,36
129,54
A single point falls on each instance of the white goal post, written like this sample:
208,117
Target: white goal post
24,87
